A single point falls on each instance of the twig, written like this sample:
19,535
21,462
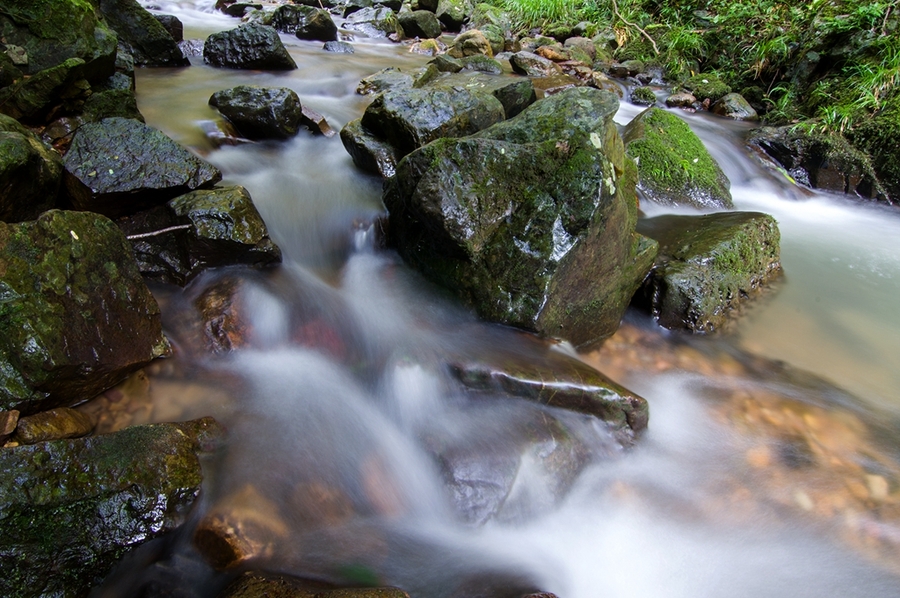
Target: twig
644,33
158,232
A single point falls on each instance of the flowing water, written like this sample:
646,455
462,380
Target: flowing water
340,400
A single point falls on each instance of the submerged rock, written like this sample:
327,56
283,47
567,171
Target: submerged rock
260,112
250,46
76,317
120,166
707,266
72,508
200,230
257,585
530,221
148,40
30,173
55,424
674,168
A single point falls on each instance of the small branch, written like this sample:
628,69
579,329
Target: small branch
644,33
158,232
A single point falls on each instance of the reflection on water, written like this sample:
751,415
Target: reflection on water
354,456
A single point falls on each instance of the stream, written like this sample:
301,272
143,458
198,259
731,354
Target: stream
356,404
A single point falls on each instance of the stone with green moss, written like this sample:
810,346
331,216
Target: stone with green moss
643,96
378,21
30,173
530,221
59,90
674,167
707,86
419,23
75,315
70,509
150,42
52,31
453,14
708,266
258,585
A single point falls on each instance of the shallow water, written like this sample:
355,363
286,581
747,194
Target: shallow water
360,402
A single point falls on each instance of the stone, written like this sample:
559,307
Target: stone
516,96
629,68
53,31
582,43
305,22
530,221
73,508
257,585
55,424
546,86
707,267
674,167
338,47
250,46
173,25
76,316
260,112
383,80
482,64
199,230
30,173
470,43
148,41
643,96
532,65
419,23
315,122
8,422
53,92
369,153
453,14
733,105
349,6
120,166
239,9
706,86
446,64
378,21
681,99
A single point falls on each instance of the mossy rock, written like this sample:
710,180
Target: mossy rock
707,266
419,23
260,112
30,173
878,137
707,86
70,509
75,317
58,90
674,167
643,96
453,14
149,41
378,21
530,221
250,46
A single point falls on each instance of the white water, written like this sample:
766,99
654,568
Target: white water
633,525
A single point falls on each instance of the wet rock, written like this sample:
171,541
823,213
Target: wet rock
446,64
76,316
200,230
305,22
369,153
148,41
240,527
555,53
338,47
819,161
53,31
348,7
674,168
532,65
410,118
173,25
545,86
120,166
111,103
482,64
531,221
733,105
315,122
8,422
681,100
470,43
643,96
53,92
707,86
55,424
256,585
516,96
583,44
383,80
72,508
377,21
629,68
707,266
250,46
191,47
453,14
260,112
30,173
419,23
239,9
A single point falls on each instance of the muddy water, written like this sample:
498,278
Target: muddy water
754,479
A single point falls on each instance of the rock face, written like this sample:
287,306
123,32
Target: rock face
30,173
250,46
260,112
199,230
674,167
76,317
149,41
52,31
707,265
820,161
70,509
120,166
530,221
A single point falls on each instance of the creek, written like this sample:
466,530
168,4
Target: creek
364,409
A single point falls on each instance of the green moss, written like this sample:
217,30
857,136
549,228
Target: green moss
707,86
878,137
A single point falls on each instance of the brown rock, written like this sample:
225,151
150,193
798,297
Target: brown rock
471,43
8,421
551,53
316,123
55,424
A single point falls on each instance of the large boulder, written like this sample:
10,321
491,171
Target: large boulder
148,40
419,23
70,509
52,31
55,91
530,221
453,14
707,266
260,112
76,316
250,46
305,22
369,153
820,161
199,230
120,166
674,168
30,173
